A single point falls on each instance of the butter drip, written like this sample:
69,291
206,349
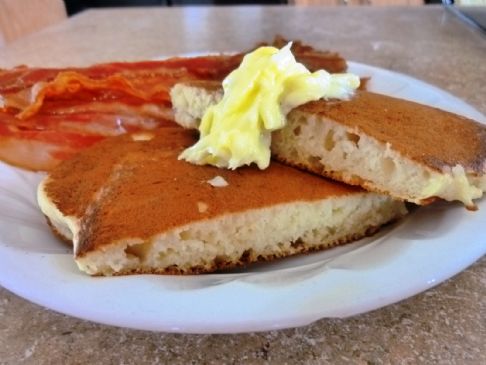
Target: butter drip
257,97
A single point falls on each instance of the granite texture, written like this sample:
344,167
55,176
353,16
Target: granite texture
445,325
441,326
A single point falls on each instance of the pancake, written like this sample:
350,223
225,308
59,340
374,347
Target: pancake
408,150
130,206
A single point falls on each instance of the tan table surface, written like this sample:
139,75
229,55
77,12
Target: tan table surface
445,325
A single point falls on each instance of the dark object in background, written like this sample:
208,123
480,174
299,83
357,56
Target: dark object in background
216,2
75,6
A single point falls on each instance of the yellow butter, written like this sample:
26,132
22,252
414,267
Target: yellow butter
455,184
257,96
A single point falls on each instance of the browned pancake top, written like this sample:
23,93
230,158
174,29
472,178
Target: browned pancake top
148,191
427,135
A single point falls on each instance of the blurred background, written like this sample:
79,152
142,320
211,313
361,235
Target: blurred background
19,18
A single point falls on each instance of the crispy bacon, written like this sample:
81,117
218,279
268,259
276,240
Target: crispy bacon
149,80
47,115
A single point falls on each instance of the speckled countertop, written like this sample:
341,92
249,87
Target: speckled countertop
445,325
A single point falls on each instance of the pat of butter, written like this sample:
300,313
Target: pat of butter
455,184
257,96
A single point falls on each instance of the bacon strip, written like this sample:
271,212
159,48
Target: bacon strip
71,82
148,80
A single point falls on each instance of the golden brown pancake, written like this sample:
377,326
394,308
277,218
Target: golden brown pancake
408,150
131,206
429,136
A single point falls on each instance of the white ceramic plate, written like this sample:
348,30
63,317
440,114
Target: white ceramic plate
429,246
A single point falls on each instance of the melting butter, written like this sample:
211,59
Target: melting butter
257,97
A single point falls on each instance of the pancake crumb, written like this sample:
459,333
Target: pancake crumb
218,182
